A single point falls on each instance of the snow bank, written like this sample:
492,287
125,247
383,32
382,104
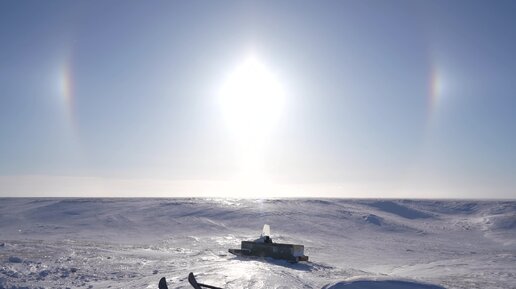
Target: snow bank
381,284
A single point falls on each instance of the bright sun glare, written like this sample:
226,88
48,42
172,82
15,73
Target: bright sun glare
252,99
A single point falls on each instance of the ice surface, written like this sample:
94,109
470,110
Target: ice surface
132,243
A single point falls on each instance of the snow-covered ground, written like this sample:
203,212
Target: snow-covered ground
353,244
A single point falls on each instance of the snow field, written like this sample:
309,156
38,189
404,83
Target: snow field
132,243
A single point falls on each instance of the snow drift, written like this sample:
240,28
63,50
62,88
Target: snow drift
381,284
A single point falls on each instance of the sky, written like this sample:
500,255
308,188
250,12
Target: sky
347,99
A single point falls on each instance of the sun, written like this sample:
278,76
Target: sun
252,99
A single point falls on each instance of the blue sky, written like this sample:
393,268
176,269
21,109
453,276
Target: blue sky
381,99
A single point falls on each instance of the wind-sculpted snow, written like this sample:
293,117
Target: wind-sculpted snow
132,243
399,210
